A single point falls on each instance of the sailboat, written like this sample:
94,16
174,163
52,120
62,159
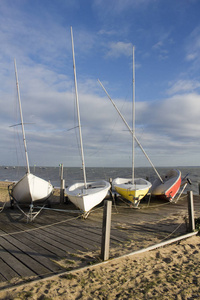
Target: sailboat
170,186
29,188
164,187
85,195
132,189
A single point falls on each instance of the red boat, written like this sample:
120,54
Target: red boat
169,187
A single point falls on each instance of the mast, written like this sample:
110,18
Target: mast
123,119
133,118
21,116
78,112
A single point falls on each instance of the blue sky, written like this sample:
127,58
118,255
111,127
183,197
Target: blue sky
166,36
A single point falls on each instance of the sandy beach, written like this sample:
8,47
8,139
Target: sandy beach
169,272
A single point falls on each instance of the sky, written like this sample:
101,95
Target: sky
166,39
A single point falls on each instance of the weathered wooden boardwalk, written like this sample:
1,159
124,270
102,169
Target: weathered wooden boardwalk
57,241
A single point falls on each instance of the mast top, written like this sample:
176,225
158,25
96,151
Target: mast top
21,116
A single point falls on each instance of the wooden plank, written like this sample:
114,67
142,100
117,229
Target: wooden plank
75,238
80,231
14,263
37,245
6,272
41,263
24,257
46,243
94,230
49,240
63,240
46,239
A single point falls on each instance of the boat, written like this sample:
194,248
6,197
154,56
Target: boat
132,189
85,198
85,195
29,188
170,186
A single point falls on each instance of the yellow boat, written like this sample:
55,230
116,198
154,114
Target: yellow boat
133,189
133,192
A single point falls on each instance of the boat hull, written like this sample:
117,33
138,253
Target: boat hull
31,188
128,190
86,199
170,186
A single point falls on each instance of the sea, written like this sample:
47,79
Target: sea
73,175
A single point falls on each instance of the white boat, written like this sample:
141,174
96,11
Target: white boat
132,189
89,197
29,188
169,187
85,195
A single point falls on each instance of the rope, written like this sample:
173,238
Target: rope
41,227
2,208
173,231
143,207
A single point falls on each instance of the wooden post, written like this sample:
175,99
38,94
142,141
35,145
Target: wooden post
191,211
62,186
110,191
199,188
105,242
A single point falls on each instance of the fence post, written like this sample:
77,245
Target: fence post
191,211
62,186
105,241
110,191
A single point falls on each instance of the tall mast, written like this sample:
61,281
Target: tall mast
133,130
129,128
21,116
78,113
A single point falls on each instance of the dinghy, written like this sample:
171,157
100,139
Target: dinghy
85,195
29,188
85,198
132,189
169,187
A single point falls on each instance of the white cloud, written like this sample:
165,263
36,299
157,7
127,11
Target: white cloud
118,6
193,46
117,49
182,86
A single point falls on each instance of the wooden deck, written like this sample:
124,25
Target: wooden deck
57,241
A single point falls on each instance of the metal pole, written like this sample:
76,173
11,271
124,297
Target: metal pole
133,120
123,119
21,116
78,112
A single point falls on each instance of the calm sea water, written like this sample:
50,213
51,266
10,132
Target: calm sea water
72,175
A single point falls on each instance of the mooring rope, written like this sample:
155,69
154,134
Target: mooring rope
4,204
2,208
40,227
130,206
179,225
